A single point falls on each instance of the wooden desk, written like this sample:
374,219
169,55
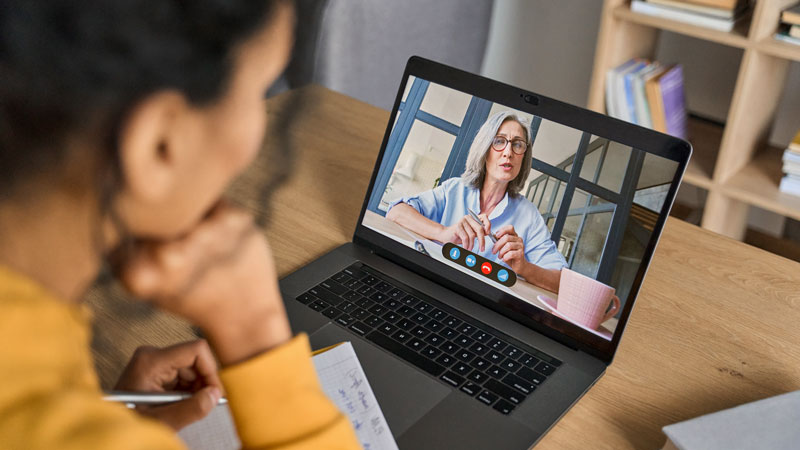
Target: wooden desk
715,325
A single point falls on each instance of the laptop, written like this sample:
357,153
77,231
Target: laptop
461,350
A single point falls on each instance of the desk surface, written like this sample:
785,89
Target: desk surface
715,324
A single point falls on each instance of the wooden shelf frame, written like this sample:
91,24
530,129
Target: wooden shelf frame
771,46
735,38
756,184
731,162
706,138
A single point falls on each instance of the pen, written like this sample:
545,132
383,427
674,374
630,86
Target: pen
478,219
131,399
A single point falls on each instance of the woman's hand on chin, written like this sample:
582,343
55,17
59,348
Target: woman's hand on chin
220,276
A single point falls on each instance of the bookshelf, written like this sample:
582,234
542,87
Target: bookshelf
732,163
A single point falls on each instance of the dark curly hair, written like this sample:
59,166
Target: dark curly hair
71,66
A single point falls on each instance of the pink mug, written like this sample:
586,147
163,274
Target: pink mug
585,300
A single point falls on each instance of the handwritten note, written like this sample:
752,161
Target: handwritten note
343,381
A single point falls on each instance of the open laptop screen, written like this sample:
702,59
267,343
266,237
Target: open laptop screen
553,197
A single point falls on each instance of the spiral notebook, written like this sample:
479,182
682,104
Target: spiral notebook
343,381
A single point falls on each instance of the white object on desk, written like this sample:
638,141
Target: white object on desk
770,423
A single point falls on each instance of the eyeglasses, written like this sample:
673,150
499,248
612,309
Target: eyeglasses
518,146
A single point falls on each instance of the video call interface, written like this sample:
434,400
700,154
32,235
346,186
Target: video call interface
554,216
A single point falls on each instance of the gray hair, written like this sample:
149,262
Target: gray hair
475,170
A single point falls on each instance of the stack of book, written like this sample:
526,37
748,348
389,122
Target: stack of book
789,30
649,94
719,15
791,167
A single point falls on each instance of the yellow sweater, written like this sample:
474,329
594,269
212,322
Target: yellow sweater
50,396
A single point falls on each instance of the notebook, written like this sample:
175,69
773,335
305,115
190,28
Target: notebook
343,381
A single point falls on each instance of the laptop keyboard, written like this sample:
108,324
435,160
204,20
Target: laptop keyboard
459,351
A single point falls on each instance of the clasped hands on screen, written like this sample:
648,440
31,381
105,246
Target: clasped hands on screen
509,247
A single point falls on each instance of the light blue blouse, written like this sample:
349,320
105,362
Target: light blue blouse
448,203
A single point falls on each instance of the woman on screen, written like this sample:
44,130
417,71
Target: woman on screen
497,166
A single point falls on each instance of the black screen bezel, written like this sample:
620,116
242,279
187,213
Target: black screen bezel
582,119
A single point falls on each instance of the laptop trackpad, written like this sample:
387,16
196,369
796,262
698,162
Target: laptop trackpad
404,394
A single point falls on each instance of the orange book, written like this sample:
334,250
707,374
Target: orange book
652,87
722,4
795,144
791,15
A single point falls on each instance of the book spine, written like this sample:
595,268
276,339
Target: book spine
674,102
794,146
711,22
790,156
619,96
790,186
727,14
791,169
642,109
613,89
656,106
630,101
611,109
723,4
791,15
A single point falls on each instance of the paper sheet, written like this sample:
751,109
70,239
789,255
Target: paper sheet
343,381
216,431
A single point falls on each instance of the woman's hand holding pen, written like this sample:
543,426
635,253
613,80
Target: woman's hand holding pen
221,277
510,248
187,367
466,231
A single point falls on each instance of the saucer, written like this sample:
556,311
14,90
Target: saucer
551,305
